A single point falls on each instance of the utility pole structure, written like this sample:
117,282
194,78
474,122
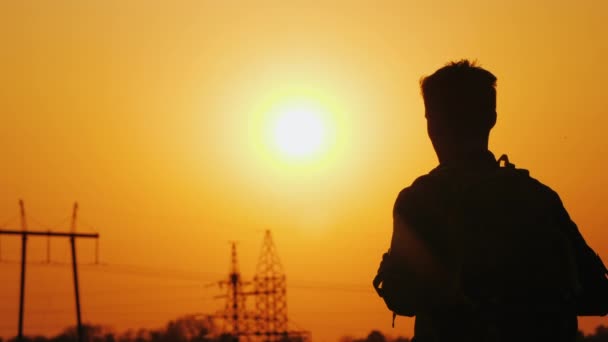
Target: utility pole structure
23,256
25,233
235,312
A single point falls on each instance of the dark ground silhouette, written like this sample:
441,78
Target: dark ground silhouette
183,329
190,329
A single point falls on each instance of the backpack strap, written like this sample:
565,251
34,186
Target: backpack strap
505,159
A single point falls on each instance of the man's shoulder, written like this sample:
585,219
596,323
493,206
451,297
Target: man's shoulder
419,185
435,181
519,182
506,181
424,189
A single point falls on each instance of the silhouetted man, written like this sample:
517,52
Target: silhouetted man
478,251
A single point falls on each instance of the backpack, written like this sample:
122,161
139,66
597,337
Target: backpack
561,269
592,299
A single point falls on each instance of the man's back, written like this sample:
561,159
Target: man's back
500,233
480,252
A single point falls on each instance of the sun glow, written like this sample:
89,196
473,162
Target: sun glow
296,128
299,131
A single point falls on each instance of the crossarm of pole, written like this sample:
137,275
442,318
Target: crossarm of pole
49,233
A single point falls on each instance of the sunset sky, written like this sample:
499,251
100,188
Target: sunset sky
160,118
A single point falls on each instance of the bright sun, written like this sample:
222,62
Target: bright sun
299,131
296,128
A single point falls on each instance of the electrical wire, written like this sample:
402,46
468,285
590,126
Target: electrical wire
176,274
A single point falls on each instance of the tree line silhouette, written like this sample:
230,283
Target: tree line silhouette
196,329
183,329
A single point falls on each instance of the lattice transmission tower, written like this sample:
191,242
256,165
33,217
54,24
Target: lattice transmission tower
270,287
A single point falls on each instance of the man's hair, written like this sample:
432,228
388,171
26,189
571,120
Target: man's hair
460,95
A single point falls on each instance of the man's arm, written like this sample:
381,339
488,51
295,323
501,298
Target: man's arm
409,250
434,283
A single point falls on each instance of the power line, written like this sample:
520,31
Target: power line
331,288
176,274
164,271
151,274
129,270
138,290
117,308
9,220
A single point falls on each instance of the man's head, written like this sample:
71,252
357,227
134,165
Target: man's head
460,106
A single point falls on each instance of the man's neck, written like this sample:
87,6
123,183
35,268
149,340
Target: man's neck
462,156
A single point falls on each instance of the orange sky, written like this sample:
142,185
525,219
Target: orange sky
145,111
